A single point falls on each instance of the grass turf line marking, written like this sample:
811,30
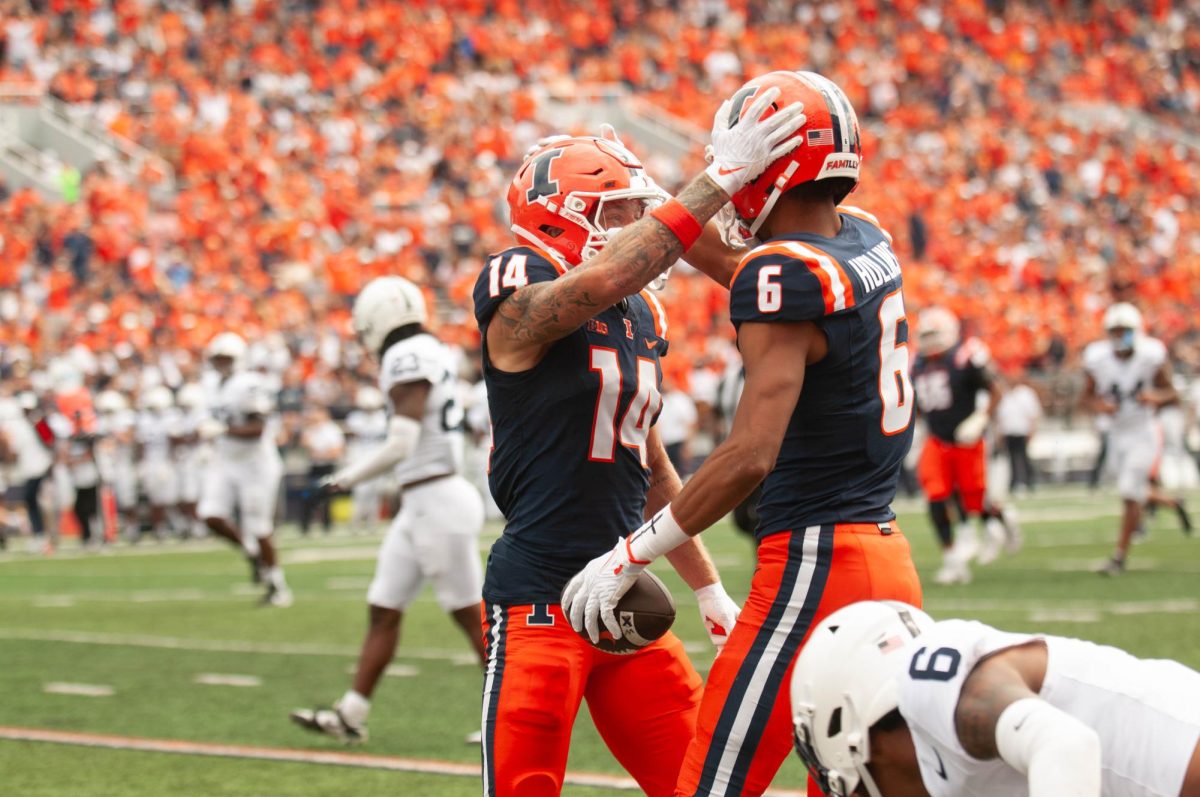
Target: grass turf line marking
392,763
396,670
222,679
80,690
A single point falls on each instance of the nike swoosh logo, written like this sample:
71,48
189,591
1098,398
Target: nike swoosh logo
650,344
721,170
941,770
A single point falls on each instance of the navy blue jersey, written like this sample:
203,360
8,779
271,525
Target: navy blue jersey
568,464
947,385
852,426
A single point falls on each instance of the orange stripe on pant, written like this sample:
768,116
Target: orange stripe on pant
946,467
744,732
538,671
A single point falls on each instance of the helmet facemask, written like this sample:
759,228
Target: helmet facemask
610,212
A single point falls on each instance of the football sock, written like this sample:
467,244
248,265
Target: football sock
940,514
354,708
275,577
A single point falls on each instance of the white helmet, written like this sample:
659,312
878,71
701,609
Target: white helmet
386,303
110,402
369,398
191,396
1123,315
844,682
937,331
158,398
227,344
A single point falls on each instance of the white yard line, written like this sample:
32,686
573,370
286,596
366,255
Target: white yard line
227,679
79,690
391,763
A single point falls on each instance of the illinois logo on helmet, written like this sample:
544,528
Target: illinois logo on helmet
571,196
830,141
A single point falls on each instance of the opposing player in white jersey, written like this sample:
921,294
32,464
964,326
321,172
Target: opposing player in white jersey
245,469
116,425
1128,378
434,538
190,453
366,427
889,703
156,468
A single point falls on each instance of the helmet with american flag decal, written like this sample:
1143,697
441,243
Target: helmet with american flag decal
830,143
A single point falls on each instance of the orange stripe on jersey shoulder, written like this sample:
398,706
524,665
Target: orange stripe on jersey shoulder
657,312
549,257
765,250
870,218
836,287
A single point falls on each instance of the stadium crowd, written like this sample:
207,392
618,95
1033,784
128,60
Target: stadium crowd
1027,157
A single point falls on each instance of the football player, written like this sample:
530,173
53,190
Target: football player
571,350
434,538
889,703
245,468
1128,377
951,377
190,452
824,417
116,425
155,425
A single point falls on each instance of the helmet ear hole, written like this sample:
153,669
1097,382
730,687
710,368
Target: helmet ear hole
835,722
551,230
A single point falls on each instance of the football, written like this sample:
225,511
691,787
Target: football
645,613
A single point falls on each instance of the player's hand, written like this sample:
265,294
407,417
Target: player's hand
971,430
329,486
591,596
744,149
719,613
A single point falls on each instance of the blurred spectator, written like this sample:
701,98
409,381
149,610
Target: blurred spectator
324,443
1017,415
676,425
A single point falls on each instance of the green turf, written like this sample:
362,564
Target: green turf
191,612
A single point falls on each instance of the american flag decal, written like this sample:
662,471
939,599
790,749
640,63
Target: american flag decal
820,138
890,644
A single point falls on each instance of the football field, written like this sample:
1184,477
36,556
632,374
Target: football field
150,670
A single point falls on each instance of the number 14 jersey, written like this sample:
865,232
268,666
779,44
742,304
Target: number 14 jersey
568,466
852,426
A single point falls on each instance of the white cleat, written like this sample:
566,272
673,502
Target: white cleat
329,722
280,597
953,571
966,542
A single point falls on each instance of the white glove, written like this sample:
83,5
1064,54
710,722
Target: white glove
719,613
971,429
742,151
592,595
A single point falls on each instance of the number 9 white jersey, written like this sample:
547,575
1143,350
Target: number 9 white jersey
423,358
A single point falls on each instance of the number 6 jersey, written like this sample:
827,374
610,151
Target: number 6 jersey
851,428
568,466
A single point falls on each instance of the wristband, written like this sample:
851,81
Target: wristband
660,535
680,221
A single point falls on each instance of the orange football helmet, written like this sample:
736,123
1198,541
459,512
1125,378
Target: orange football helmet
558,198
830,144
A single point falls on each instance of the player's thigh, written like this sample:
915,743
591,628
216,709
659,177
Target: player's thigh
446,518
217,493
969,469
933,471
534,680
398,579
258,492
743,733
1133,458
645,705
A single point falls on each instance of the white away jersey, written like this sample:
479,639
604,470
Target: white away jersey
236,399
1147,712
439,450
154,431
1121,380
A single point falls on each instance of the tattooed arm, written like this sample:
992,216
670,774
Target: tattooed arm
534,317
996,683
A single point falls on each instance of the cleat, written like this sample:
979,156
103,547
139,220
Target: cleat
1114,567
953,571
966,542
278,597
474,737
330,722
